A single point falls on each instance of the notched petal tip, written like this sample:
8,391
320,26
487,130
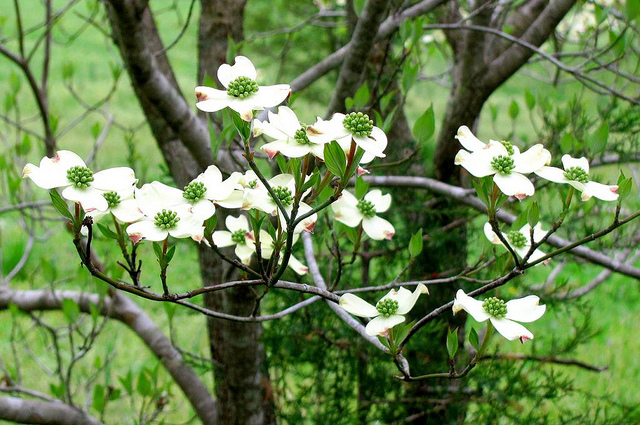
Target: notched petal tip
525,338
135,237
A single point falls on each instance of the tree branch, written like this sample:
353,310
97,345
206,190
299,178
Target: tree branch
43,412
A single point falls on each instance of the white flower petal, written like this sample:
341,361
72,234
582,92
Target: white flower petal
114,179
379,325
511,330
475,163
155,196
270,96
491,235
568,161
553,174
297,266
525,309
470,305
127,211
468,140
242,68
237,223
380,202
514,184
378,228
244,252
211,100
407,299
357,306
222,238
89,198
533,159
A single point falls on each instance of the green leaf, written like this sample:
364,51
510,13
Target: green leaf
335,159
15,82
624,186
481,190
70,310
170,310
632,9
424,126
568,142
409,75
452,343
401,331
105,230
415,244
127,382
282,163
67,71
384,341
157,248
514,110
312,181
362,187
210,225
473,339
362,96
599,138
242,127
529,99
95,130
98,398
534,214
494,112
25,145
169,256
144,384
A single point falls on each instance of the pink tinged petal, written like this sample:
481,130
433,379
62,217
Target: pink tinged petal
468,140
407,299
378,228
470,305
511,330
514,184
600,191
380,202
553,174
491,235
244,252
380,325
357,306
237,223
127,211
309,223
533,159
568,161
270,96
89,198
476,164
525,309
361,171
146,229
114,179
242,68
211,100
297,266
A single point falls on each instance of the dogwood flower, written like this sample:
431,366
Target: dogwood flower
576,173
388,312
243,94
240,235
503,160
284,187
344,128
165,213
352,212
79,184
501,314
519,240
291,139
122,205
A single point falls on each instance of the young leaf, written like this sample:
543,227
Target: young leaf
424,126
534,214
105,230
514,110
157,248
452,343
415,244
361,98
473,339
335,159
60,204
169,255
70,310
362,187
529,99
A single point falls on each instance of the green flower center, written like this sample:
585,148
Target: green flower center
301,136
503,164
508,146
284,195
113,199
252,184
517,239
577,173
238,237
80,176
166,219
366,208
194,191
358,123
242,87
495,307
387,307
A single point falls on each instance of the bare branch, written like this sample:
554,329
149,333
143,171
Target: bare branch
43,412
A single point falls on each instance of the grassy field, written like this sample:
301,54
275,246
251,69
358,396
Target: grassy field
613,304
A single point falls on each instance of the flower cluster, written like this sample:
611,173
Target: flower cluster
508,166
